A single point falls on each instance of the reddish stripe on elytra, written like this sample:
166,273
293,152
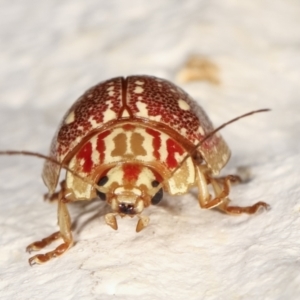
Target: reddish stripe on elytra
85,154
172,148
131,172
156,143
101,144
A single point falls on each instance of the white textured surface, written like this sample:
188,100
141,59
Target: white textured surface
51,51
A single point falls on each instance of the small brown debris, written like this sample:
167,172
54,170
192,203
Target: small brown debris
199,68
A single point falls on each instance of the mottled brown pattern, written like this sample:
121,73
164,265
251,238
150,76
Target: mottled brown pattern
120,145
159,98
90,106
136,143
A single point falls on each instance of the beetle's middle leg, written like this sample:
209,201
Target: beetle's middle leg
221,200
233,179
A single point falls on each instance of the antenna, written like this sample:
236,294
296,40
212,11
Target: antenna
66,167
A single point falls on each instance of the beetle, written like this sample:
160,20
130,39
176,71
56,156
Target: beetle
125,141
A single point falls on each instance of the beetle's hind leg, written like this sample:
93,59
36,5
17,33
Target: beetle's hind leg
64,223
221,189
222,194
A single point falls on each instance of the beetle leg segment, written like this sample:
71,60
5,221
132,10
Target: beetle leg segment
64,223
111,220
237,210
43,243
142,223
224,200
203,194
55,196
221,201
234,179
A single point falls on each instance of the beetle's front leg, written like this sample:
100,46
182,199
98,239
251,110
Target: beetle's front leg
55,196
64,223
221,200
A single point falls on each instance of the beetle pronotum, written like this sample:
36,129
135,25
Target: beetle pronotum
125,141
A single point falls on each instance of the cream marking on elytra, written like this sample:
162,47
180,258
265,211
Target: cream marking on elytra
110,91
125,114
143,111
109,114
163,148
70,118
78,139
201,131
95,153
179,157
147,145
93,122
139,82
155,118
138,90
183,131
128,144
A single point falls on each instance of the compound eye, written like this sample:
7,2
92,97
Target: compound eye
158,196
101,182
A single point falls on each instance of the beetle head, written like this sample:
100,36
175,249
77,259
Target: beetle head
130,188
